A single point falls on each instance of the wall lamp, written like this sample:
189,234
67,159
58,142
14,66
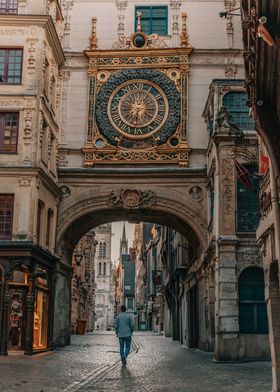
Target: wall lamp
228,13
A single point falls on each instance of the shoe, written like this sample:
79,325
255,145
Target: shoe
124,361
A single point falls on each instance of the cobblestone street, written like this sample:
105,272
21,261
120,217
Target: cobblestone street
156,364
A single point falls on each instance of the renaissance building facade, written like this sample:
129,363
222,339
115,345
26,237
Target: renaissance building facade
129,110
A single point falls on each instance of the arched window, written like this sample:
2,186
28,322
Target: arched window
252,306
100,269
235,103
104,269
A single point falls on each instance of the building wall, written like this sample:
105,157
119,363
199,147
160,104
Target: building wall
105,288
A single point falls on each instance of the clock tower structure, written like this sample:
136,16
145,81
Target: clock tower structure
138,101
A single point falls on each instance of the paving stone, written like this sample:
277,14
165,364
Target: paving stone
156,364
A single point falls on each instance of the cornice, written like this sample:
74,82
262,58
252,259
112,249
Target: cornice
44,21
19,171
119,53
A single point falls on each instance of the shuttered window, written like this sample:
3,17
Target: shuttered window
235,103
154,20
252,306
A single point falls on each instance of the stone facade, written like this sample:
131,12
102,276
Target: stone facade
105,287
83,283
170,184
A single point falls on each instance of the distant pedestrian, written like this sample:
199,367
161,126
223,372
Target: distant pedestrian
124,326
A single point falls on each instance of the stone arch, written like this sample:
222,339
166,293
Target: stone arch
78,216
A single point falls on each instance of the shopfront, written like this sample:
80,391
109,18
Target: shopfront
26,303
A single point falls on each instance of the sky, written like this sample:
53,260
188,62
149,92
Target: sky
117,228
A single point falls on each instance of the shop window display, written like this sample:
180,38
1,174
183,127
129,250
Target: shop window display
40,336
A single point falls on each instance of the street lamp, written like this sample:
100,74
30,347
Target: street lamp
78,258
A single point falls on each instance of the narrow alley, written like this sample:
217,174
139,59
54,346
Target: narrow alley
156,364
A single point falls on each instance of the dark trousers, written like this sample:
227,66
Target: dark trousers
125,344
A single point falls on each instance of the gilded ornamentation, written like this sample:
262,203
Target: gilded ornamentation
131,198
136,110
184,35
93,39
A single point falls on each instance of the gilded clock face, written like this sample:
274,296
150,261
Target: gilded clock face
138,108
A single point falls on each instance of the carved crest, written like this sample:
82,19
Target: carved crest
132,198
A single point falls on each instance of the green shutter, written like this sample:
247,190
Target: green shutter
154,20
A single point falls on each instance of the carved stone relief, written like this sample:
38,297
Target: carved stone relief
132,198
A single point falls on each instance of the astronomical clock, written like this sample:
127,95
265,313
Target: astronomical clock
138,103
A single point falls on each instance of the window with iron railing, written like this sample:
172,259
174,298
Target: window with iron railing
8,132
10,65
8,6
6,216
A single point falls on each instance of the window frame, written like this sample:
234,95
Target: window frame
246,209
235,111
255,304
6,66
139,8
2,134
6,197
4,7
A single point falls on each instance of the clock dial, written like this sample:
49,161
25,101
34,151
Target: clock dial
138,108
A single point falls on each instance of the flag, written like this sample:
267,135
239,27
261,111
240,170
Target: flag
264,164
265,35
243,175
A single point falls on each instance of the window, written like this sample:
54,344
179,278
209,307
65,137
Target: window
49,226
100,269
8,132
153,20
212,199
6,216
248,204
235,104
8,6
10,66
46,78
45,144
39,217
104,269
252,306
102,249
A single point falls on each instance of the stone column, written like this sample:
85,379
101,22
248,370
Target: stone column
226,305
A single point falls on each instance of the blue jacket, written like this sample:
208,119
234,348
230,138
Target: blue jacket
124,325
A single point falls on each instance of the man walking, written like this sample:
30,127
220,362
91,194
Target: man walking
124,326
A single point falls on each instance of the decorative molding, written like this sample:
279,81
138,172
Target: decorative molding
132,198
25,181
93,38
175,6
44,21
121,7
184,35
